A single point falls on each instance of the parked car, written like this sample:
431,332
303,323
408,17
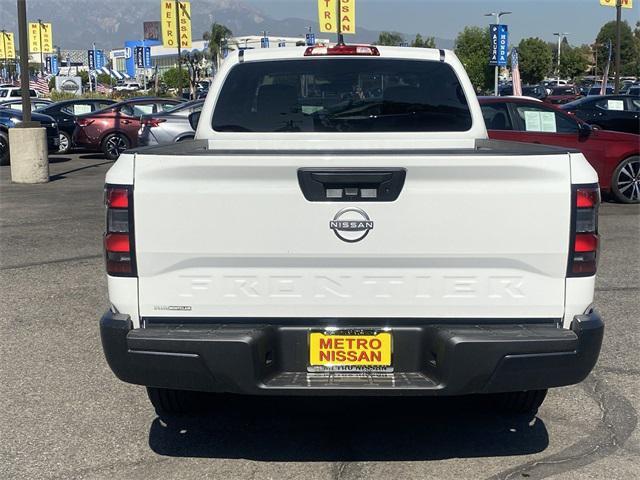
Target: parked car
168,127
533,91
9,118
65,114
127,87
325,249
9,93
609,112
115,129
614,155
36,103
563,94
634,91
597,89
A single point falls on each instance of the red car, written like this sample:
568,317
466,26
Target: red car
614,155
563,94
115,128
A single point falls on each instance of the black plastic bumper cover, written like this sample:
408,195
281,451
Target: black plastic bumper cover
429,359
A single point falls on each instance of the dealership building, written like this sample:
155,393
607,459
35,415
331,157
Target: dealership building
163,59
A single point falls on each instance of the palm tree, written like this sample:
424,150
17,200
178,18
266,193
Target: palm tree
218,37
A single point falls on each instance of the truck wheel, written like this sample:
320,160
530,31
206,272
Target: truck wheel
113,145
519,402
4,149
625,184
175,402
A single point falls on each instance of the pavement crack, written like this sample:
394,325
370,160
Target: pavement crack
51,262
618,420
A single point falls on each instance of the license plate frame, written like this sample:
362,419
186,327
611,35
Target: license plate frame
384,335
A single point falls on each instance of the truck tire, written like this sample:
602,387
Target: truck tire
519,402
167,401
625,184
4,148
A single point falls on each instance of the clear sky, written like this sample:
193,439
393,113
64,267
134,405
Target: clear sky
445,18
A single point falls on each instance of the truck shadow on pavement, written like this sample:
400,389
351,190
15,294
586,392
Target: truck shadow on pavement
347,429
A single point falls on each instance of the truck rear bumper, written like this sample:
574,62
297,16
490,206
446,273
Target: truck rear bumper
429,358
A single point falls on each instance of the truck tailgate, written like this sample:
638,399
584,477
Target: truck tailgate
471,235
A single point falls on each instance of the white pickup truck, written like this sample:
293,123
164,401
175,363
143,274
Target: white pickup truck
342,226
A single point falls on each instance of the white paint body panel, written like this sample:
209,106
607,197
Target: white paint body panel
469,236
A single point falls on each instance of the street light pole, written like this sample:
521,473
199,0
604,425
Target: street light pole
41,53
618,39
498,15
560,35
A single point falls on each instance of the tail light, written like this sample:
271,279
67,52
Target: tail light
118,239
84,122
342,49
583,251
152,122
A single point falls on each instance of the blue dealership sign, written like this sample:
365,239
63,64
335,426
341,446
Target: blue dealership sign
96,59
311,39
143,57
99,59
91,54
54,66
499,52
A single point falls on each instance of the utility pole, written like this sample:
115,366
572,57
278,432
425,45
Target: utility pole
498,15
560,37
178,6
618,41
24,62
339,24
28,140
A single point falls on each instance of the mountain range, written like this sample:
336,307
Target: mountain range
78,23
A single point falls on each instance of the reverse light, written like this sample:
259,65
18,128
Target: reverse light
118,238
583,251
363,50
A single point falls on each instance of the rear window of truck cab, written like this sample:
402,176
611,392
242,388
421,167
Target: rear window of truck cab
342,95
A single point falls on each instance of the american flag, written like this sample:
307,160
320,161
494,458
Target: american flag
100,88
605,74
40,84
515,73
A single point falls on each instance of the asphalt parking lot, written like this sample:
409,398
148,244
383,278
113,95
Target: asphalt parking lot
64,415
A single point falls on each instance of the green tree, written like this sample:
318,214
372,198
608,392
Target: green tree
535,58
419,42
629,48
573,62
172,76
392,39
473,46
218,37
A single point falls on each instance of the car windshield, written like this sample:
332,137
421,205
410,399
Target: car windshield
342,95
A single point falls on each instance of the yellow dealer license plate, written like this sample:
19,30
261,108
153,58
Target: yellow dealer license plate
350,351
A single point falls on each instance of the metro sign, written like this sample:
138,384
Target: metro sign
613,3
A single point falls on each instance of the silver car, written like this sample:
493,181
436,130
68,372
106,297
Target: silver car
168,127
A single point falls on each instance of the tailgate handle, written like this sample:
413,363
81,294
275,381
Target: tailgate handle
351,184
